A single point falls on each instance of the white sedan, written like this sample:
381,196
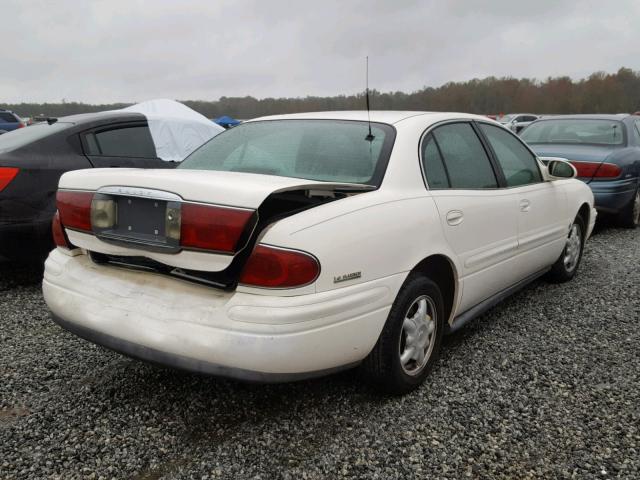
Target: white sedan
293,246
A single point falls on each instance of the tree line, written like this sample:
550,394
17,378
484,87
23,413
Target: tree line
599,93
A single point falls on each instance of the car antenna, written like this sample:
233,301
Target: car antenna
370,137
51,120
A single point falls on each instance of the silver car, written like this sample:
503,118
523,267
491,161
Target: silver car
517,121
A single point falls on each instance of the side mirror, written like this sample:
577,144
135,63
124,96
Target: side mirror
558,168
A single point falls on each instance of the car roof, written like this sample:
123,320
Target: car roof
588,116
81,118
381,116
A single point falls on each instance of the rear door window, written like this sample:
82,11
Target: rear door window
433,165
132,141
465,159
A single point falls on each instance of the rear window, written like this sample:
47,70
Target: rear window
324,150
23,136
6,117
133,141
587,131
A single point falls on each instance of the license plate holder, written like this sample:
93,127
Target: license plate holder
141,223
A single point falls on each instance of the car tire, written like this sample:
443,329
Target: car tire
629,216
567,264
410,341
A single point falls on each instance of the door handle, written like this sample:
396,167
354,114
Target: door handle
525,205
454,217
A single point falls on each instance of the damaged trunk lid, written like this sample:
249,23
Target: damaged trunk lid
194,224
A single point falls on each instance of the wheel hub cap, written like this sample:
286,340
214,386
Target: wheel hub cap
572,249
418,335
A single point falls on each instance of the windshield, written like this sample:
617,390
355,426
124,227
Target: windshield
588,131
325,150
21,137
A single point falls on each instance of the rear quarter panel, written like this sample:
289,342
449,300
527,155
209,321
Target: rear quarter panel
30,197
629,160
376,234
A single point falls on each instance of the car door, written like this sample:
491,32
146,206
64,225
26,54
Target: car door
543,220
479,219
121,145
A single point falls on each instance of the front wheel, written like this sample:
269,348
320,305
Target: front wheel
566,266
410,340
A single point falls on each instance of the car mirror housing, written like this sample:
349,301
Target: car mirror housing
558,168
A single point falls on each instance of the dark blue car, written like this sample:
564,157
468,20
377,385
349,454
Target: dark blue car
9,121
605,149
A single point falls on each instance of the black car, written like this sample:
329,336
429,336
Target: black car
605,149
33,159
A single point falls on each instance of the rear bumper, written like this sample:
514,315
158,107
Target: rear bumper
25,241
612,196
230,334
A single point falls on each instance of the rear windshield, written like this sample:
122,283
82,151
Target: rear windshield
325,150
22,136
588,131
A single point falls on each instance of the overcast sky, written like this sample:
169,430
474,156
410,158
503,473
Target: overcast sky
134,50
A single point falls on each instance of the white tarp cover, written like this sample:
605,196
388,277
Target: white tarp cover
176,129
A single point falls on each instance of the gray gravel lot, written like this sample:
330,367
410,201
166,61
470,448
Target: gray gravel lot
546,385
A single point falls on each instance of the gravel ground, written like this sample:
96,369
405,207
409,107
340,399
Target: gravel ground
546,385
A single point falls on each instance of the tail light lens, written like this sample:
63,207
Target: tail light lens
59,237
597,170
212,228
21,125
272,267
7,174
608,170
75,209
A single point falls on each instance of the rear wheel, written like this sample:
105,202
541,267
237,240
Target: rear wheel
566,266
410,340
630,215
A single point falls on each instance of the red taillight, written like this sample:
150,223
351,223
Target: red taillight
59,237
75,209
212,228
597,170
273,267
608,170
21,125
6,175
